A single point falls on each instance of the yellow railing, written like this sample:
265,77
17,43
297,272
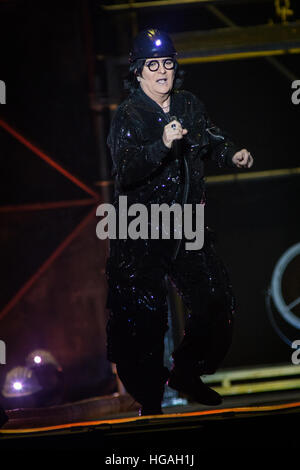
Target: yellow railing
271,378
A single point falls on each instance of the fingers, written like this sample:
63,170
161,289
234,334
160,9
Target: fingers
174,130
250,161
243,159
174,126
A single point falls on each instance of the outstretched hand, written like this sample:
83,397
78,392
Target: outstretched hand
173,131
243,159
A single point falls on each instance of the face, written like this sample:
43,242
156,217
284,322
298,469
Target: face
159,82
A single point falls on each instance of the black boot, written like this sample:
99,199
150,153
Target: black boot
193,386
145,385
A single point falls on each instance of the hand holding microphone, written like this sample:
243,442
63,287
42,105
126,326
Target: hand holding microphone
173,131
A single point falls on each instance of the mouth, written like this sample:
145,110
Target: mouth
162,81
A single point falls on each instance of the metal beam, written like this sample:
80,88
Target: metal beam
239,39
48,159
233,177
238,56
235,43
275,379
46,264
169,3
272,60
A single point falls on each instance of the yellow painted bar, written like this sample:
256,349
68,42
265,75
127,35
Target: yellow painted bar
259,372
159,3
236,56
258,387
227,379
233,177
254,175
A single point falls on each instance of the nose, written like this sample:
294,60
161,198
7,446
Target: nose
161,67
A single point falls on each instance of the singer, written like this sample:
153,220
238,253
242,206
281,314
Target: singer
159,140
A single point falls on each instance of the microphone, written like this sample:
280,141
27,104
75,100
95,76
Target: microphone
176,144
173,118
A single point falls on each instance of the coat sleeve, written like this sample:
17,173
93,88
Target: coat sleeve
133,161
221,148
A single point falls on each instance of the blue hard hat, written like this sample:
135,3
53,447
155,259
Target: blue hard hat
152,43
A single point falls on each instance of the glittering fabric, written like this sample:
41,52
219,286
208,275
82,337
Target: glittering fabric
144,168
147,172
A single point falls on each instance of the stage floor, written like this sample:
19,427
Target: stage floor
260,420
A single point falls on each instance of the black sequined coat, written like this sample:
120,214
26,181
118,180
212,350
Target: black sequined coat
148,172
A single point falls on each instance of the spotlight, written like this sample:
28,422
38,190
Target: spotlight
41,357
49,374
37,359
17,385
20,382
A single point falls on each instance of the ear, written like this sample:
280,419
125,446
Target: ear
137,76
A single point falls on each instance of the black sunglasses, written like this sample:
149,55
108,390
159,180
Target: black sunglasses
153,65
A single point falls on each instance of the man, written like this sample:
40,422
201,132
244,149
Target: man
159,140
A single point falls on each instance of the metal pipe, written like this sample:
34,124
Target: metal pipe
159,3
280,67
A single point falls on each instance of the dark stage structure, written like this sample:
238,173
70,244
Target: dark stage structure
61,80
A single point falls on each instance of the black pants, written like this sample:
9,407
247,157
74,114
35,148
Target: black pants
138,321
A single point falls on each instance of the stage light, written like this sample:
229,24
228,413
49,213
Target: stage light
20,382
39,383
41,357
49,374
17,385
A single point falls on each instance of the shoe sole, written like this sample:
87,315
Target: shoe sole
188,394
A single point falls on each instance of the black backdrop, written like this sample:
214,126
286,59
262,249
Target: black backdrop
45,66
